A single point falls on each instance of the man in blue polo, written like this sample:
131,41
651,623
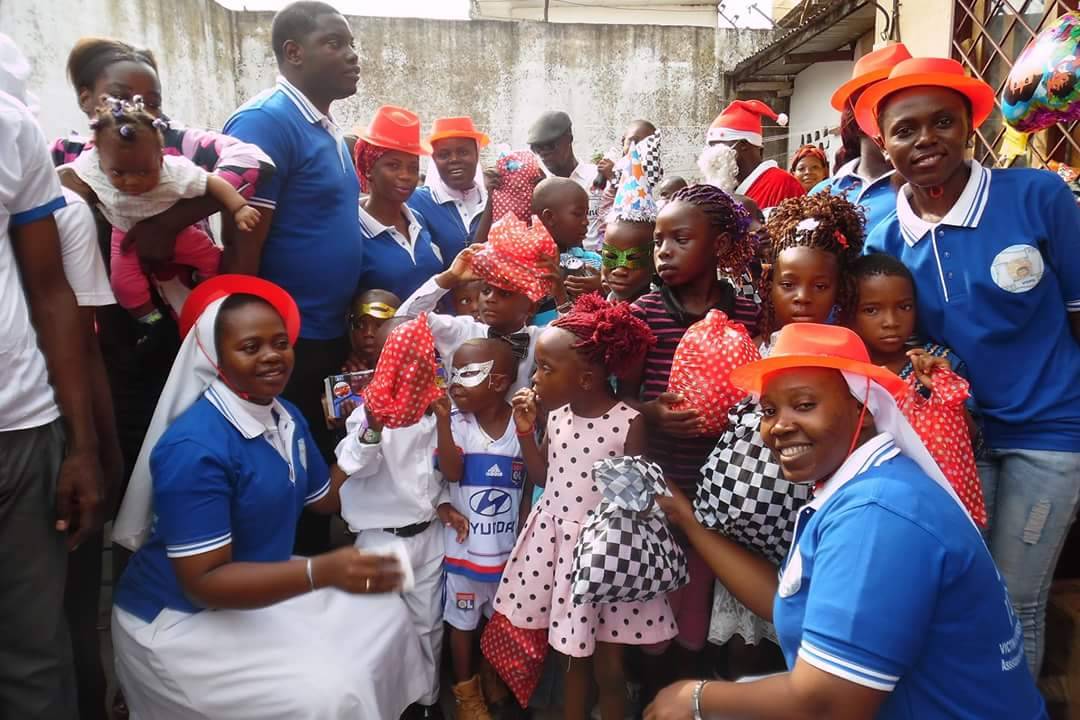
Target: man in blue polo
309,238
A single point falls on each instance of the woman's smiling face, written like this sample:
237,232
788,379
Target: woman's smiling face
925,131
254,352
809,418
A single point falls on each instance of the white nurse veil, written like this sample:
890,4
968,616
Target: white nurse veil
194,369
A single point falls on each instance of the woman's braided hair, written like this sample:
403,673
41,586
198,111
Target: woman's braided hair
826,222
726,216
608,334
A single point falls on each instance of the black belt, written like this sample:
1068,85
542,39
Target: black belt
409,530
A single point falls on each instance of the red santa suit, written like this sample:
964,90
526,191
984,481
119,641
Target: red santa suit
768,184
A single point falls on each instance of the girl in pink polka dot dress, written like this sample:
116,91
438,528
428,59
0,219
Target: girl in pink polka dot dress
575,357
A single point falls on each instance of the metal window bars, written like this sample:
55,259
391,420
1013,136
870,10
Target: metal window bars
988,37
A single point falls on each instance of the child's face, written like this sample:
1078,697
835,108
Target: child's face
568,221
667,189
505,311
557,379
132,167
476,383
362,331
627,258
885,315
685,247
466,299
804,284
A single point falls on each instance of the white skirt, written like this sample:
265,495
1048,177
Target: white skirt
325,655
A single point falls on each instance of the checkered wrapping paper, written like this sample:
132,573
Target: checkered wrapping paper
743,493
626,552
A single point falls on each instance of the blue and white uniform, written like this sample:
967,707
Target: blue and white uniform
489,496
890,586
232,474
875,196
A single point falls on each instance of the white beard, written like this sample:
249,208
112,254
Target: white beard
718,164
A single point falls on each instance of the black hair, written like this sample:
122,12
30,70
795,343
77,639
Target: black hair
726,215
837,229
91,55
231,304
880,265
125,120
501,352
296,21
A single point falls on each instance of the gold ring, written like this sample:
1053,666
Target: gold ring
367,584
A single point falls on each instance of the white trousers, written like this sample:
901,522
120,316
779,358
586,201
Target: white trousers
326,655
425,601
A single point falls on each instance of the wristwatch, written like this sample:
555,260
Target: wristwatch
370,436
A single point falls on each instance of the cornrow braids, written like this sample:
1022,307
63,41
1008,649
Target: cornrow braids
879,265
726,216
126,119
825,222
608,334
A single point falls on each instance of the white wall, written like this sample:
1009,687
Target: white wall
926,27
695,15
811,114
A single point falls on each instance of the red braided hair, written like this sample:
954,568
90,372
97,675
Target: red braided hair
608,334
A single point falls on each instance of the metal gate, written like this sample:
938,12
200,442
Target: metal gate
988,37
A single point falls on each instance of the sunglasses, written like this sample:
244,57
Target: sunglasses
634,258
540,148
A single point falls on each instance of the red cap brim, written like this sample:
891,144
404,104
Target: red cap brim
222,285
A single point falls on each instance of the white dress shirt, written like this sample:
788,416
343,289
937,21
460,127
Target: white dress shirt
83,266
392,483
450,331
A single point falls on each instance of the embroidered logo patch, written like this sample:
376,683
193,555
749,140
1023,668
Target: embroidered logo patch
301,450
791,578
465,601
1017,268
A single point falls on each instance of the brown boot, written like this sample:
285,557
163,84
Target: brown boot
470,700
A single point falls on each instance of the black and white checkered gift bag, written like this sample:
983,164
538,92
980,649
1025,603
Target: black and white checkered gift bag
651,162
743,493
626,552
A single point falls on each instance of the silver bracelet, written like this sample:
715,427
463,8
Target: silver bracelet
310,577
698,689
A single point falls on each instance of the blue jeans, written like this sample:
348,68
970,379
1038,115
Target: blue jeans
1031,501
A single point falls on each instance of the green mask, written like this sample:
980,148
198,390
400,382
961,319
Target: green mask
635,258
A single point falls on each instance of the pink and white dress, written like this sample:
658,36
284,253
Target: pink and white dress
535,592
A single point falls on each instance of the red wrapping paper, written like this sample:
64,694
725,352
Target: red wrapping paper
404,383
512,257
516,654
519,172
701,369
941,424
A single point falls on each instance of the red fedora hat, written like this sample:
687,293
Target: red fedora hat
395,128
924,72
220,286
869,69
457,127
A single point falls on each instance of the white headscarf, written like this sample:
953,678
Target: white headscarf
15,74
194,369
434,180
888,418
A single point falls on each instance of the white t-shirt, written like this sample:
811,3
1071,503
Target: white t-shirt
29,191
83,265
180,179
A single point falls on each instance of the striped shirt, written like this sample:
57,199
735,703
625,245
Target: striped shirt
680,458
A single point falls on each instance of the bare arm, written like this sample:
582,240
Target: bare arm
525,412
1074,325
243,248
330,503
226,195
109,452
451,461
55,316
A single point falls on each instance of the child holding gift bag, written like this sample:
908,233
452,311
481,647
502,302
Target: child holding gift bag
575,358
517,268
393,489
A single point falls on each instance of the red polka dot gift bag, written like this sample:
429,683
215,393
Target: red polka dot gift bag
404,383
512,257
519,172
701,368
516,654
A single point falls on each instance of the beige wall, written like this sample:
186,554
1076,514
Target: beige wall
926,27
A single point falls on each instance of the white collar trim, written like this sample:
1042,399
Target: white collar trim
241,413
311,113
967,212
872,453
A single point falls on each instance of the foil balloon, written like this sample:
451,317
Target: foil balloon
1044,85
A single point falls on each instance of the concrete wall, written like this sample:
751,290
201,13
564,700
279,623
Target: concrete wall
501,73
812,117
625,13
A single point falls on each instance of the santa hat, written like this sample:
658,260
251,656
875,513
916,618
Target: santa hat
741,120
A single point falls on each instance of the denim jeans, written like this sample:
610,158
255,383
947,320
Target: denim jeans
1031,501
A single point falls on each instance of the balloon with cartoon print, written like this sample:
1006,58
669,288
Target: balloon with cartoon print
1043,87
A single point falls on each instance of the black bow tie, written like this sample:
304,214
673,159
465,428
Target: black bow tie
519,341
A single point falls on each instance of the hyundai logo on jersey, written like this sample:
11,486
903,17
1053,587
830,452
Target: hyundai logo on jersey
490,502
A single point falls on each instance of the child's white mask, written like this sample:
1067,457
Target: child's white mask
472,375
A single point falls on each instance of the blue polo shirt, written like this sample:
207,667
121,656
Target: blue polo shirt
397,263
890,586
219,481
876,197
313,249
444,221
995,281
